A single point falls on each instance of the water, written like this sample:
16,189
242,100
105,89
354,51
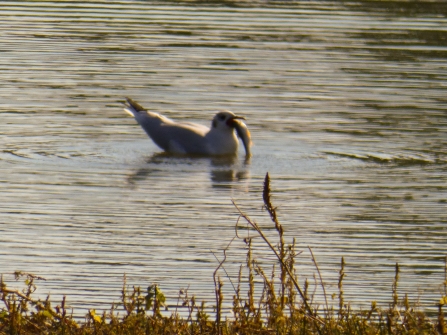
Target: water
345,102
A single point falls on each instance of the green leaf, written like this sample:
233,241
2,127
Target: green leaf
94,316
47,314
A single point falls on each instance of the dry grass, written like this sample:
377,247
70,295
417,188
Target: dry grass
278,306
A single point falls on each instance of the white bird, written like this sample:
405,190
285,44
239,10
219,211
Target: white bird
192,138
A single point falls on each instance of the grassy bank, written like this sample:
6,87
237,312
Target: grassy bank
265,301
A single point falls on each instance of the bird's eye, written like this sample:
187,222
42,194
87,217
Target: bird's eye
221,117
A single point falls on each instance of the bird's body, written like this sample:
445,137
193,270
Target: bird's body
192,138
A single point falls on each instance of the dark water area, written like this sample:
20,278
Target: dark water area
345,101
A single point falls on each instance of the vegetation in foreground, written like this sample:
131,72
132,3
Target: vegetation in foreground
280,306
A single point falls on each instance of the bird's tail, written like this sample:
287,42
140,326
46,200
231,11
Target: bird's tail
132,107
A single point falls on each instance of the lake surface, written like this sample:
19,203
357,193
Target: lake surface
346,103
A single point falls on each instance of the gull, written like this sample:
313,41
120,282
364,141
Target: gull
193,138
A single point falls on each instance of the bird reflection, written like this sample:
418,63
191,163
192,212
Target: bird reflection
224,170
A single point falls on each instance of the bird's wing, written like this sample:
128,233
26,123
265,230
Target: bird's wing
169,135
174,137
182,138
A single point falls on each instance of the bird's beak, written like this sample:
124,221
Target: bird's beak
238,117
231,122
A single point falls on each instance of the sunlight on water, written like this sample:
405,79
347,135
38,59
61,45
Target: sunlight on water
346,105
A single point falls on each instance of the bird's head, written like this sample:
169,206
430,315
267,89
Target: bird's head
228,121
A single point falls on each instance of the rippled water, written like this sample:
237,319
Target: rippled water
347,108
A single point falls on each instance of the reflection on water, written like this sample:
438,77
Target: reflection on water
345,102
224,170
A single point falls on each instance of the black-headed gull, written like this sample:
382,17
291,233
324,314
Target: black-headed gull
192,138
